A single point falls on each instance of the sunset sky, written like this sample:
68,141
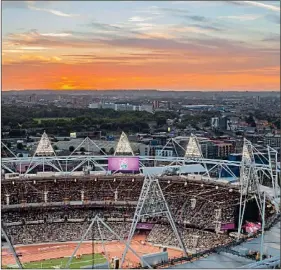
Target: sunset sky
217,45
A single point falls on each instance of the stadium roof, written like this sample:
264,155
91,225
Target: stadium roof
268,190
194,168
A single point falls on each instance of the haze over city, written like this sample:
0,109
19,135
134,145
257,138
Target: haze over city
216,45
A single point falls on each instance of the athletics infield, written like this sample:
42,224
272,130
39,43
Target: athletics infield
40,254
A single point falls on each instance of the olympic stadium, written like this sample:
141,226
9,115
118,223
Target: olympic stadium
128,211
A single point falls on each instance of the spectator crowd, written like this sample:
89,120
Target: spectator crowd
192,203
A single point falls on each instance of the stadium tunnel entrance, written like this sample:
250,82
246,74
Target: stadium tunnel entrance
251,213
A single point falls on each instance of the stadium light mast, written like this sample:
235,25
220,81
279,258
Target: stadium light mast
123,146
249,183
151,203
193,151
44,149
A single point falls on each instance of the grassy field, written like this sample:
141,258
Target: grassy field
39,120
85,260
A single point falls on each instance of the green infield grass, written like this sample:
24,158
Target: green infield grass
60,263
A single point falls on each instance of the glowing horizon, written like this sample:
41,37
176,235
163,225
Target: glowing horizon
196,46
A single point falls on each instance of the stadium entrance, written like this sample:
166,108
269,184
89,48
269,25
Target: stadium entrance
251,213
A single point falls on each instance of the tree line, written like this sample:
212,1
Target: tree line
57,120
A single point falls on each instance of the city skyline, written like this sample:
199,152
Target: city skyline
219,45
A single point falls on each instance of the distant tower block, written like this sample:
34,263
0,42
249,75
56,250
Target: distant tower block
123,147
44,147
193,149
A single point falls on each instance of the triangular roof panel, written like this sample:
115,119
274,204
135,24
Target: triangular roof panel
123,146
193,149
44,147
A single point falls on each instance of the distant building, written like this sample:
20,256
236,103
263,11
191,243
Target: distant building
214,122
224,123
121,107
272,140
94,106
109,106
224,150
156,104
147,108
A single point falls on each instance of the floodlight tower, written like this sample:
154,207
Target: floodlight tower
193,151
123,146
44,149
249,183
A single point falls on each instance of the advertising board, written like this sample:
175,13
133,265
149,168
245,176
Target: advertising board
123,164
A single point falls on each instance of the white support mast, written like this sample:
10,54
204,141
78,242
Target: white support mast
151,203
274,172
193,151
123,147
249,183
98,222
11,247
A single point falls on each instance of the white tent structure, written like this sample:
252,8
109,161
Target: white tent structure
123,147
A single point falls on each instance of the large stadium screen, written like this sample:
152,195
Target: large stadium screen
123,164
73,135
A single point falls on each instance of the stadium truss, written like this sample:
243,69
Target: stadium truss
268,165
96,221
151,201
249,182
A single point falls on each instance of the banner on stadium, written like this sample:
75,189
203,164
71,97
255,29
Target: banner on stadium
123,164
228,226
145,226
252,227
